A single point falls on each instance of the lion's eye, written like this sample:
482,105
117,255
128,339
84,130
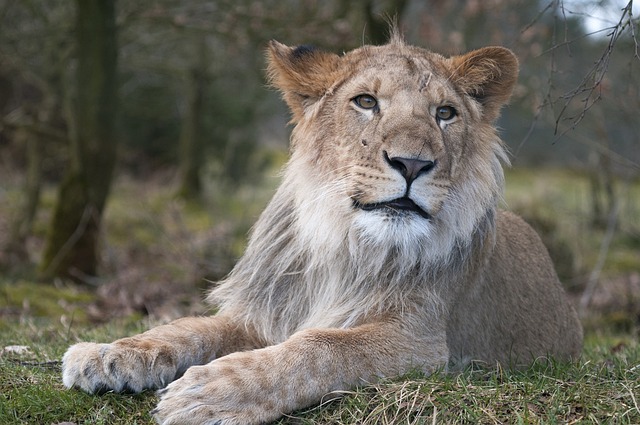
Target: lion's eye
365,101
445,113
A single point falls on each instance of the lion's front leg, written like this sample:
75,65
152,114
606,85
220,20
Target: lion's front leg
152,359
259,386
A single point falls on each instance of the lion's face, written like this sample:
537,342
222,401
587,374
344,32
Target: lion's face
395,140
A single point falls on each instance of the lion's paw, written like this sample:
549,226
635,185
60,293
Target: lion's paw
97,368
220,393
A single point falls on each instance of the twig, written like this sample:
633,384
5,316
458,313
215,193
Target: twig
594,277
38,129
591,82
52,364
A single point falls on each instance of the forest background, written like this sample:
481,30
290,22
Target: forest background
138,140
139,143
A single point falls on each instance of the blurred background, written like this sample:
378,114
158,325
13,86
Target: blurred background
139,142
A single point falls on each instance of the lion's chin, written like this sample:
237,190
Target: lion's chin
387,225
394,208
407,238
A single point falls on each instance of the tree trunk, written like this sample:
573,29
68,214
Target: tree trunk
32,187
15,249
378,23
191,136
71,248
35,129
603,193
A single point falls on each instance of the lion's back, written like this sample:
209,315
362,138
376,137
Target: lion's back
514,310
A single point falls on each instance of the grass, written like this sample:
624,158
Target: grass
155,241
27,298
603,387
562,200
31,390
589,391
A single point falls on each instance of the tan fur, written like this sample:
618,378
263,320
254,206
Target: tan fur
338,287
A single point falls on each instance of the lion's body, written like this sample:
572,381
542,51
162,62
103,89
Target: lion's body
515,309
383,250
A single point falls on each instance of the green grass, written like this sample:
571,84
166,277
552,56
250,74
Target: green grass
603,387
31,390
558,204
27,298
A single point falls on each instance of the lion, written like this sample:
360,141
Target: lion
382,252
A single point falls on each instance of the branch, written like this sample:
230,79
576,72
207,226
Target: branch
591,82
38,129
594,277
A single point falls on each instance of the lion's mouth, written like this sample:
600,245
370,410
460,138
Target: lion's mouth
395,206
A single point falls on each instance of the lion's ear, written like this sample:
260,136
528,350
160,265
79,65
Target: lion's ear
303,74
488,75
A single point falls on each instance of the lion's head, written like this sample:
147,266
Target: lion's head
393,182
395,142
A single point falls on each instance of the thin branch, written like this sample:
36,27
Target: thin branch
594,277
591,82
39,129
537,18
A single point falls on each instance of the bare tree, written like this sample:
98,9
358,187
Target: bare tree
72,244
34,55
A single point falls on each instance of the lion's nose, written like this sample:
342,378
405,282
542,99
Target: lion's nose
410,168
